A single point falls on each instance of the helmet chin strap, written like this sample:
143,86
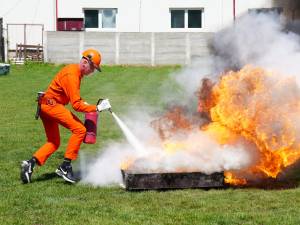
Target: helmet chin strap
89,60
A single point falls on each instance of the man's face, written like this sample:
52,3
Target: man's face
86,67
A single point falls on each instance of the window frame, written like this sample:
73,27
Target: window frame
186,22
100,12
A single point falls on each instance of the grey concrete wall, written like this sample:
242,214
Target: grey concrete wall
135,48
62,47
105,42
199,46
128,48
170,48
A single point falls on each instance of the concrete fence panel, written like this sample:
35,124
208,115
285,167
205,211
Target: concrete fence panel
170,48
128,48
62,47
135,48
104,42
199,45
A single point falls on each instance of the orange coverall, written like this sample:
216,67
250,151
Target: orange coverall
64,88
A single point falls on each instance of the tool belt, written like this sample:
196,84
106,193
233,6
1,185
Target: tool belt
42,99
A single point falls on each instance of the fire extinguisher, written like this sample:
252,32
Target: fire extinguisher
90,123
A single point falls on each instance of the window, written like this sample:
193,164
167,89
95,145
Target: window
195,18
186,18
100,18
177,18
91,18
109,18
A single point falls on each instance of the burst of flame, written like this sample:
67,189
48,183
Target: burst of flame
252,104
220,133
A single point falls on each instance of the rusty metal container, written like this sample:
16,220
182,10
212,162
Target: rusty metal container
156,181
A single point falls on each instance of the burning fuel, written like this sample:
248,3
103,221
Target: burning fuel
263,109
256,109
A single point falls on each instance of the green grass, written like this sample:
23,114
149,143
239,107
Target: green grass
49,200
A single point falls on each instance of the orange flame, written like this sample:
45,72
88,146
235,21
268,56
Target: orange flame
252,105
255,105
231,179
220,133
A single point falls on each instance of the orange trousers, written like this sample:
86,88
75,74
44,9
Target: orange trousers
52,116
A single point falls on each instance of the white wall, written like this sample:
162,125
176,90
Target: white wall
29,12
127,16
156,17
152,15
133,15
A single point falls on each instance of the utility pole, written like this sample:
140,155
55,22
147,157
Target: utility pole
234,10
1,41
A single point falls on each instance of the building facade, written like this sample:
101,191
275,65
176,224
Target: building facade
27,21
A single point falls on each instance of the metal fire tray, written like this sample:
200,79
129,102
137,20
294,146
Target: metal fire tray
155,181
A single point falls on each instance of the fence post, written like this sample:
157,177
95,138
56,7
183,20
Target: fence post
187,49
1,41
45,46
117,56
152,49
81,43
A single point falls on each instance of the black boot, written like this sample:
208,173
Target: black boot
27,169
65,171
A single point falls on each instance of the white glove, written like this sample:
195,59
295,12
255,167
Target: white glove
103,105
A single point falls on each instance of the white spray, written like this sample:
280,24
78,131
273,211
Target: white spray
131,138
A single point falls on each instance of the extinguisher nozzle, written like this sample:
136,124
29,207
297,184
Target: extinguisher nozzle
110,110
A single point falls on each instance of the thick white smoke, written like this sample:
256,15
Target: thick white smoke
188,80
105,170
260,40
198,153
195,152
255,39
201,154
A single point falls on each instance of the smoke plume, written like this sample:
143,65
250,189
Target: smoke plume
260,40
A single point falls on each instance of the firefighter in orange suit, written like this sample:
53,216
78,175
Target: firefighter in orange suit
64,88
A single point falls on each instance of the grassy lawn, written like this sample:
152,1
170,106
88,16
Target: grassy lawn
49,200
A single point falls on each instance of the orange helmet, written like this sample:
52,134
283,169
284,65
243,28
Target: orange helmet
94,57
